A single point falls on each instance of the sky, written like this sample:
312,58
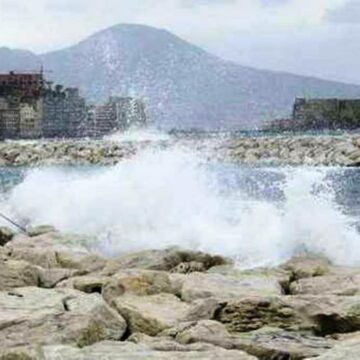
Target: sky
310,37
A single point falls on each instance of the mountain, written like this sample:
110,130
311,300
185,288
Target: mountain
183,85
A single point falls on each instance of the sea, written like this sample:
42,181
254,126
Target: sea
163,197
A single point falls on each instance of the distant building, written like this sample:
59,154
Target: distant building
63,112
26,85
327,113
119,114
30,108
320,114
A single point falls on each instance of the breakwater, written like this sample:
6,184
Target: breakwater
324,150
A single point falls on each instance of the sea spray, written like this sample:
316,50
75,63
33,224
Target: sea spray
162,198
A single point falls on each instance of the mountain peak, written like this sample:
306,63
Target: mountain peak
182,85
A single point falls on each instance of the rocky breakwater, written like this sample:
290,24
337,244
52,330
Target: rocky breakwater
59,300
327,150
66,152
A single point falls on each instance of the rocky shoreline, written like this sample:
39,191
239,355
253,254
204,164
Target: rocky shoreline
59,300
324,150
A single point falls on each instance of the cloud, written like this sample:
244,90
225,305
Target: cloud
346,14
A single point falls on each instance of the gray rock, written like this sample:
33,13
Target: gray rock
307,265
165,260
49,278
266,343
56,250
15,274
325,315
346,350
151,314
127,350
233,286
329,284
31,316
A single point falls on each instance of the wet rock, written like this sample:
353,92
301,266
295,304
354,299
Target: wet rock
15,274
127,350
6,234
31,316
151,314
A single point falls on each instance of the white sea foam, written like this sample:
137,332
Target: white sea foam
171,197
137,134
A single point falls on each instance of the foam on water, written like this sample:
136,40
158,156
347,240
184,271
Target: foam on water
171,197
140,134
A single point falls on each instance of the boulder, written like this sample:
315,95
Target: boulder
151,314
346,350
92,283
272,343
128,350
203,331
14,273
56,250
164,260
307,265
227,287
6,234
324,315
266,343
49,278
252,313
329,284
32,316
329,314
132,281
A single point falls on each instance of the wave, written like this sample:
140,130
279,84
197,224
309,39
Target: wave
172,197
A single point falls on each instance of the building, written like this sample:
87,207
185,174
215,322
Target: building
30,120
327,113
31,108
63,112
25,85
118,114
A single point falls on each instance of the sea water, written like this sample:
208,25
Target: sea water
172,197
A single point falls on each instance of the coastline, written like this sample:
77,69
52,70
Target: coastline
169,304
320,150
